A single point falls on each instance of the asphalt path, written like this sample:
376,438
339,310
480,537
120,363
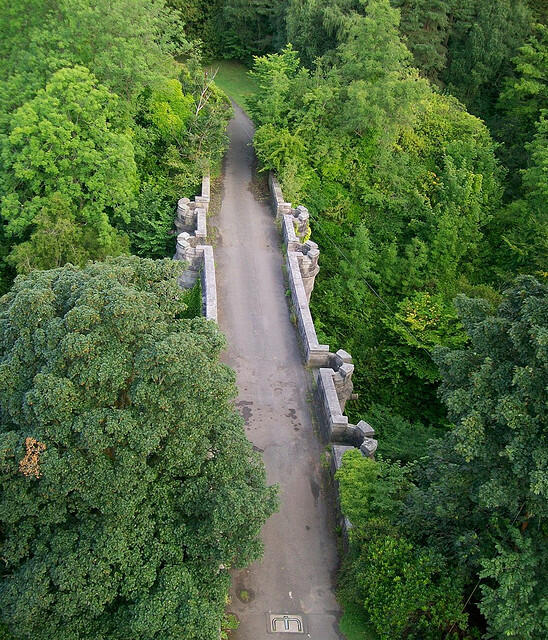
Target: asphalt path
296,576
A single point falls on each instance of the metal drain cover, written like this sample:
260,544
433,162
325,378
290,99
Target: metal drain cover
285,623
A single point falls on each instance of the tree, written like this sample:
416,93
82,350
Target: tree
127,44
57,239
317,27
495,394
524,96
482,497
243,28
374,66
274,75
484,39
152,127
69,144
128,485
401,183
515,595
405,592
425,24
518,238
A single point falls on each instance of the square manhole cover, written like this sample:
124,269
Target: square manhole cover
285,623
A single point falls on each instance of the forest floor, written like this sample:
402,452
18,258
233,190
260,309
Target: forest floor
297,575
232,77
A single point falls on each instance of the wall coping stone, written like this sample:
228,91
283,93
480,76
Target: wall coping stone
209,283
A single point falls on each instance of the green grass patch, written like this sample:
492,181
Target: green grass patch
354,624
232,78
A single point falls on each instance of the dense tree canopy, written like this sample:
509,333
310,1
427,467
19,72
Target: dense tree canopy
401,180
68,156
415,131
477,504
128,485
101,130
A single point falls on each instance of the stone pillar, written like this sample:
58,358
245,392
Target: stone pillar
185,215
343,383
191,256
341,357
186,249
368,448
302,218
309,267
363,431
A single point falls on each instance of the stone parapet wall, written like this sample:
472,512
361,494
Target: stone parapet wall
333,371
316,354
191,247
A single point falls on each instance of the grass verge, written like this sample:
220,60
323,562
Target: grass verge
232,78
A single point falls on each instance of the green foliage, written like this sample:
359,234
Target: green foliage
400,439
484,39
405,592
522,100
194,14
151,224
58,238
317,27
95,126
403,184
519,237
170,110
247,27
516,606
373,66
234,29
425,24
126,44
370,490
478,500
481,496
193,301
273,75
230,623
495,395
67,149
128,485
354,624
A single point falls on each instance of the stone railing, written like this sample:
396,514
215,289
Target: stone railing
191,225
333,371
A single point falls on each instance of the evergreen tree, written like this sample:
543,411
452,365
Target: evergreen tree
425,24
524,96
482,497
245,28
481,46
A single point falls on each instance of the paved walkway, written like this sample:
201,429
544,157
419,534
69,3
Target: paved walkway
297,573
